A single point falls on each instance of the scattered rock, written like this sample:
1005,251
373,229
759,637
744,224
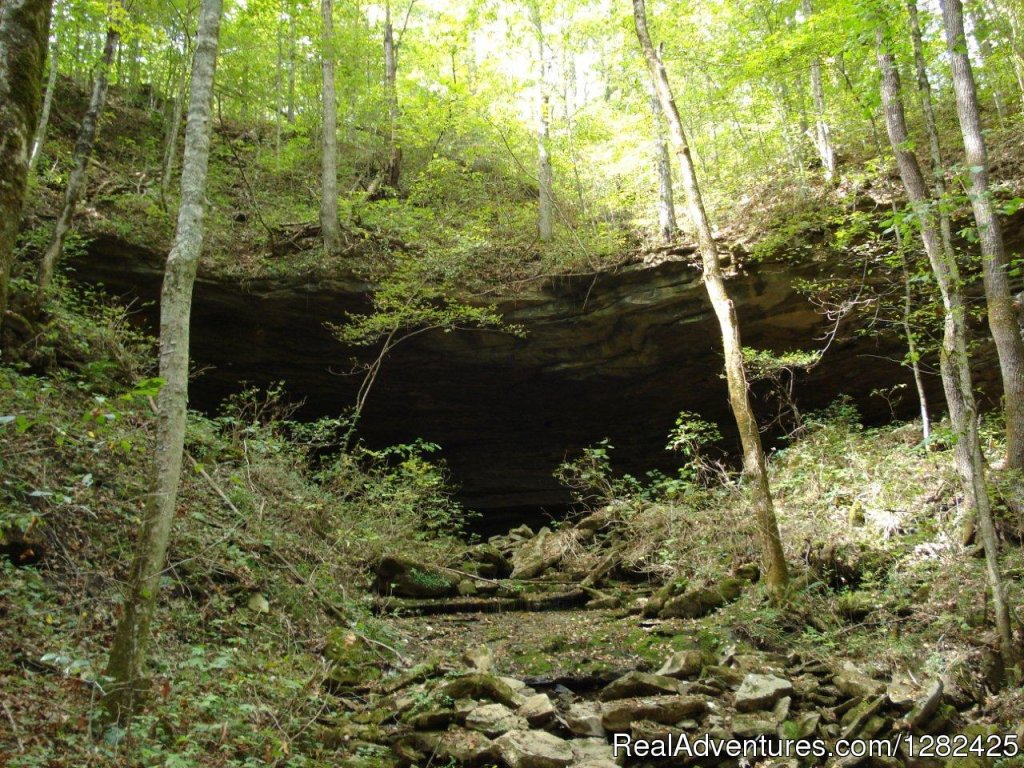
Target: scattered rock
584,719
683,664
538,710
700,602
494,719
258,604
458,744
539,553
852,682
407,578
855,721
804,727
925,708
761,692
353,664
480,658
594,753
482,686
534,749
618,715
635,684
750,725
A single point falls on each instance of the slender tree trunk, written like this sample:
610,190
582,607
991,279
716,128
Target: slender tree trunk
545,178
1002,320
291,64
279,87
128,653
329,143
24,33
82,155
912,351
173,127
822,133
955,364
44,118
962,451
667,226
393,172
754,466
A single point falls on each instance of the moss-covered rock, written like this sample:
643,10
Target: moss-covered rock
353,664
404,577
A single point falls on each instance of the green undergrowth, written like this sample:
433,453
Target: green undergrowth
272,544
871,520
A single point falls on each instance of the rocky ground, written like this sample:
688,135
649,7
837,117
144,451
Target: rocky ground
522,661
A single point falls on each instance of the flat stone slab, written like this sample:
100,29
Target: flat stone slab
761,692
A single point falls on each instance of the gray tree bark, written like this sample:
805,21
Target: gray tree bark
329,143
44,118
822,132
24,33
1002,320
955,363
79,172
938,169
545,176
754,466
171,140
667,226
126,664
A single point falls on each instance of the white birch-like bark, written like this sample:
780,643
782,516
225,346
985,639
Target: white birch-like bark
44,117
126,665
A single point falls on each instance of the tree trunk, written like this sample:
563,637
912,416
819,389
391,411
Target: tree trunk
754,466
924,91
393,172
545,179
1002,320
822,133
329,143
171,141
955,364
291,64
127,655
24,32
44,118
82,155
667,226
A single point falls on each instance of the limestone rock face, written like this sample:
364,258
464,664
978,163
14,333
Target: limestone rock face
534,749
636,345
761,692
